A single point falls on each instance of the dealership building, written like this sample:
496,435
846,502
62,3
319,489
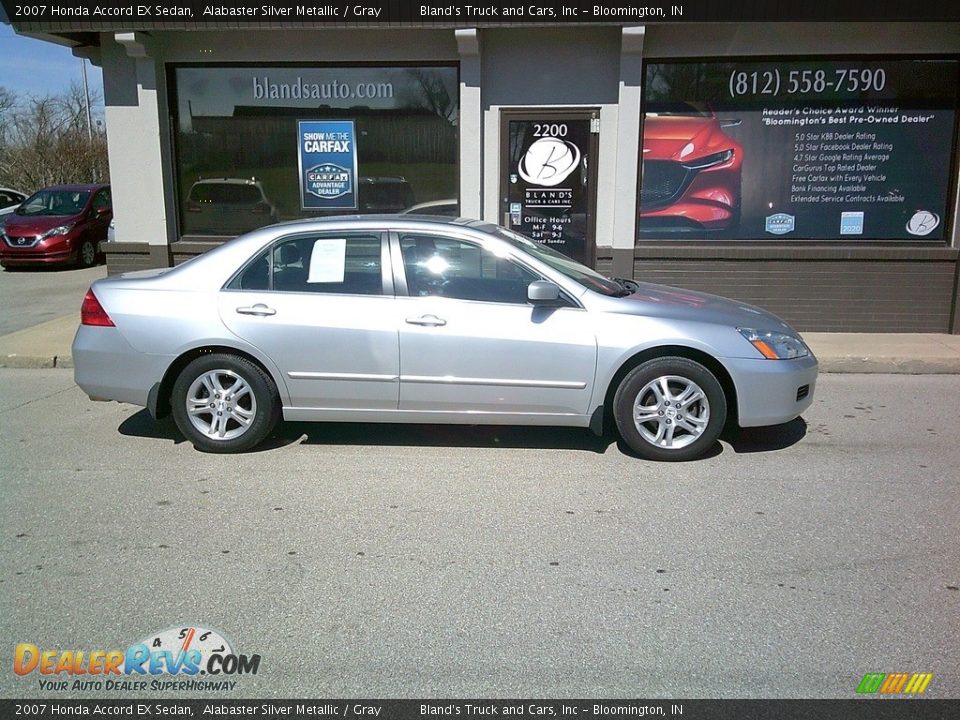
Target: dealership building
807,167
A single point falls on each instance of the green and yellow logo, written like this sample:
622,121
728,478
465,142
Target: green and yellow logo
899,683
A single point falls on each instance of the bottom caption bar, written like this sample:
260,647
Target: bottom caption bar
926,709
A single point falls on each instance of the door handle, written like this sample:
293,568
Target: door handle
427,320
260,310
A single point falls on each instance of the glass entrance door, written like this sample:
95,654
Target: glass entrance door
548,184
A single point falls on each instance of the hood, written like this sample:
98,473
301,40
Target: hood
28,225
665,136
666,302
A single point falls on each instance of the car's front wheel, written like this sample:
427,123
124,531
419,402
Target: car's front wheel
87,254
670,408
223,403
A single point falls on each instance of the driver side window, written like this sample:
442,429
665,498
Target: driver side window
448,267
101,201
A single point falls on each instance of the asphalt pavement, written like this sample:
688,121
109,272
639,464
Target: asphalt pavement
424,561
31,296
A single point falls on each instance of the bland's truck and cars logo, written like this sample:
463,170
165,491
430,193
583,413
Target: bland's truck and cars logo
182,658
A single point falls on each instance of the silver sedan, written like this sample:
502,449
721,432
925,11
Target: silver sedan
415,320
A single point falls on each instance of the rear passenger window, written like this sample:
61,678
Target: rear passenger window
345,264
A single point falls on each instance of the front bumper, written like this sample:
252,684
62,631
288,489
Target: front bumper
706,200
106,367
770,392
16,258
53,251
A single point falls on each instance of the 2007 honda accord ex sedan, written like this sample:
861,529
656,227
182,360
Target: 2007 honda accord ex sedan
416,320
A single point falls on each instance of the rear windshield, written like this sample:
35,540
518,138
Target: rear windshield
225,193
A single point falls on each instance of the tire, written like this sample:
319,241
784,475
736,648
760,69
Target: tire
700,417
247,419
87,254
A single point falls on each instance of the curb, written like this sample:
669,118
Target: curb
36,362
47,345
890,366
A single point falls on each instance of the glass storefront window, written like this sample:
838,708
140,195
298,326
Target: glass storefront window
240,141
843,149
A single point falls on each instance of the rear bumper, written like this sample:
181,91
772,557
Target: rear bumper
770,392
106,367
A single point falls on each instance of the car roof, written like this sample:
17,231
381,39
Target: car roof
433,203
398,220
390,179
76,186
227,181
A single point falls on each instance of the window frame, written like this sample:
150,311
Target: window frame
175,205
386,276
13,199
757,246
400,272
109,200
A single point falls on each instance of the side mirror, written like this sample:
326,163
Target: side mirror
729,122
102,211
543,292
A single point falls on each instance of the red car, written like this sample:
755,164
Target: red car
59,224
690,179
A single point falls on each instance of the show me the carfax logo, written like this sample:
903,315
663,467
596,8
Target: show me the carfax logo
898,683
188,651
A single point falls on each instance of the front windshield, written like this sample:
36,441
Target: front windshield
590,279
55,202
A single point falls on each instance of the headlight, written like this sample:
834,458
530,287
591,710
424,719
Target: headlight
59,230
709,160
774,345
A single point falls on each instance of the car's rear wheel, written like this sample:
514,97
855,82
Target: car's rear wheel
223,403
670,408
87,254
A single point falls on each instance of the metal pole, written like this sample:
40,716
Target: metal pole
86,97
86,102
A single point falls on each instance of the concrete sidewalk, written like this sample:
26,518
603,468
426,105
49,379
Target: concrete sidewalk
48,345
45,345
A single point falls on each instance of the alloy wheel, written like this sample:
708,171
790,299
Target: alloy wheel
671,412
221,404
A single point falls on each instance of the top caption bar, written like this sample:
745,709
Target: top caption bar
113,14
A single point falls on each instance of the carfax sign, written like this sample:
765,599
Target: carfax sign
328,164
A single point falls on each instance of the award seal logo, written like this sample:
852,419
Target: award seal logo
923,223
328,181
780,223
